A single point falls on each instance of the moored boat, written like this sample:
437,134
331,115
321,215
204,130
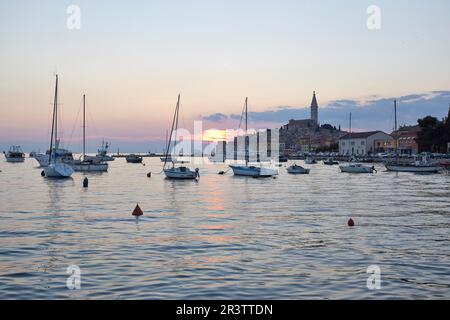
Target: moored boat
15,154
356,168
182,172
56,168
330,162
421,164
296,169
85,164
246,170
133,158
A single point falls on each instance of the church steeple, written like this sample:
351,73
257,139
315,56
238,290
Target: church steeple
314,109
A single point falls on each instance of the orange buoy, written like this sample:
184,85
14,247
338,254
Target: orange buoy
137,211
351,223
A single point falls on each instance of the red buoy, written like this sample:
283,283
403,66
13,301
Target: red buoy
137,211
351,223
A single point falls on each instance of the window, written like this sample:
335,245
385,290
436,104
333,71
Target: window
353,143
363,142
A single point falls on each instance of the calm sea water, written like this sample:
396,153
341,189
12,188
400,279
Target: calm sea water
223,237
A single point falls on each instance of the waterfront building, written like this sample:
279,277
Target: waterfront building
365,143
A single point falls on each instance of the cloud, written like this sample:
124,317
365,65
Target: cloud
216,117
375,113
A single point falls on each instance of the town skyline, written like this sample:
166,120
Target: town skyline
131,60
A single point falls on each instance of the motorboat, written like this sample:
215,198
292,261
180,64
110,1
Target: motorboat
133,158
102,153
310,161
296,169
15,154
357,168
330,162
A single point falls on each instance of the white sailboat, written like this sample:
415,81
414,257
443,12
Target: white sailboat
251,171
353,167
182,172
84,164
56,168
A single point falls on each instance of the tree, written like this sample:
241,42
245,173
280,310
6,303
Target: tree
434,134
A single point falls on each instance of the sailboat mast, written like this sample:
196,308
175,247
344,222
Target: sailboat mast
395,115
56,111
247,151
53,120
84,127
175,120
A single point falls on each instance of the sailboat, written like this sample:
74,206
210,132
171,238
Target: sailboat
251,171
88,165
56,168
181,172
353,167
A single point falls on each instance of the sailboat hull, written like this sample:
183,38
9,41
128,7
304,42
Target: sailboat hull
253,171
58,170
416,169
90,167
180,173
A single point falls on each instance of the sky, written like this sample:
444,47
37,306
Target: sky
132,58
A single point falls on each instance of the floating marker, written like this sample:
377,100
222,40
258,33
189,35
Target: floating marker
149,175
137,211
42,173
85,182
221,172
351,223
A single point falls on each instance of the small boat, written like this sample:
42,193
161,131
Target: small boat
133,158
310,161
15,154
356,168
182,172
330,162
102,153
421,164
295,169
94,164
251,171
56,168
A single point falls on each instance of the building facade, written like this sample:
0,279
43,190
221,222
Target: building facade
405,140
364,143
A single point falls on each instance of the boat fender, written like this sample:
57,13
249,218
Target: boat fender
42,173
351,223
85,182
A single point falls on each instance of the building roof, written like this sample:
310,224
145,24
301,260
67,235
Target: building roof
359,135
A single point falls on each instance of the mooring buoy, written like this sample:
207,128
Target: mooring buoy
85,182
351,223
137,212
149,175
42,173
